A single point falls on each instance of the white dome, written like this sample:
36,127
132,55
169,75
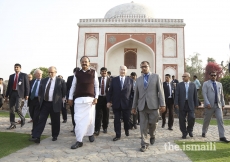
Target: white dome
129,9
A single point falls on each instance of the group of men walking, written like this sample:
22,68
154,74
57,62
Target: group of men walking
90,98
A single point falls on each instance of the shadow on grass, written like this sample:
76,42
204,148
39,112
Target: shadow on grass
11,142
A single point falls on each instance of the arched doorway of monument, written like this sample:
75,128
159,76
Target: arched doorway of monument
130,53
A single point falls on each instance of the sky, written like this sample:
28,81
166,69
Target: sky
44,33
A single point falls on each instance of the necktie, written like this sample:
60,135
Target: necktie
186,87
15,82
145,80
121,82
215,89
47,91
34,90
102,86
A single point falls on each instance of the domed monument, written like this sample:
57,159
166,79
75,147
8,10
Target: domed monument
129,34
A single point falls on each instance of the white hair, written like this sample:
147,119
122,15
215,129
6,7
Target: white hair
123,66
37,70
53,67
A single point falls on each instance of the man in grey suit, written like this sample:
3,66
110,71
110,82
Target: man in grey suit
186,100
51,96
213,103
148,97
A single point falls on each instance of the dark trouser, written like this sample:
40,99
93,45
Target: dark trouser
102,114
64,112
72,114
15,103
1,100
169,107
135,116
117,122
34,111
190,119
46,110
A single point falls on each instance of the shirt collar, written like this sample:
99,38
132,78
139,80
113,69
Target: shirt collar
84,70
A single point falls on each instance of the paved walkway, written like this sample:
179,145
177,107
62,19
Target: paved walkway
104,149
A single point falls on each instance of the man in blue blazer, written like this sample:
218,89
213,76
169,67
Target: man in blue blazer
120,98
17,89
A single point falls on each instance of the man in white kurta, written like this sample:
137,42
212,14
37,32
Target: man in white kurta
85,83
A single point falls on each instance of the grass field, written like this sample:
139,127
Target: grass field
221,154
213,122
11,142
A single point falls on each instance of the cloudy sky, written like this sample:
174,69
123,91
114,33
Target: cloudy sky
41,33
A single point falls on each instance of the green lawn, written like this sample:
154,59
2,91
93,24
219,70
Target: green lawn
7,114
11,142
213,122
222,152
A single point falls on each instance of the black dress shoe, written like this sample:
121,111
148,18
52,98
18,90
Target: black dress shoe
163,126
35,140
224,139
203,134
105,131
116,138
96,133
135,126
152,140
23,122
54,139
91,138
190,134
170,128
76,145
144,148
64,121
12,126
127,132
184,135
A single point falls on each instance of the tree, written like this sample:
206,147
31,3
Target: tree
194,66
226,87
210,59
213,66
44,69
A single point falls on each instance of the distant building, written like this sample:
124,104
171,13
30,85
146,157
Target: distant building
129,34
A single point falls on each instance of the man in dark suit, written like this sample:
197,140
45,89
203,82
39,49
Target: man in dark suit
33,102
68,86
102,112
186,100
120,97
63,110
17,89
169,97
52,91
174,80
2,91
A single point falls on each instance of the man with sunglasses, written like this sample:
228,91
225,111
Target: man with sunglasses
213,103
148,97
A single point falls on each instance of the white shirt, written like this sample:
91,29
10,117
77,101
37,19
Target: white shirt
105,80
186,89
1,87
170,90
36,93
84,99
52,86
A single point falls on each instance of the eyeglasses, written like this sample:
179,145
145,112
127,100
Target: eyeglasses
144,67
184,76
51,72
212,75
